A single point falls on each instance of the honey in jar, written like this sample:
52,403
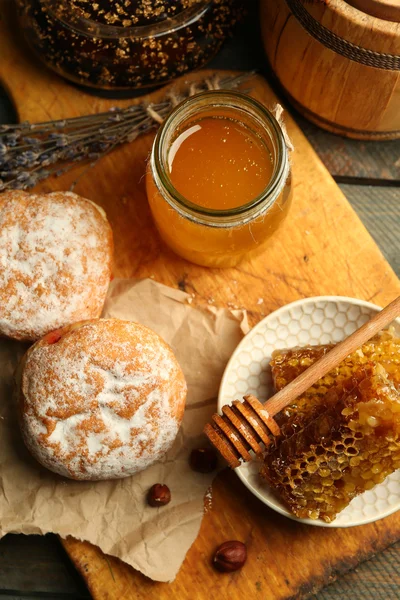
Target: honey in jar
219,163
218,182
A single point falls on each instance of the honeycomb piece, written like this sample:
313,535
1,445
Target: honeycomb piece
349,447
286,365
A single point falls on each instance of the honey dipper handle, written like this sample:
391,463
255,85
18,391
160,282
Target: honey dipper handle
328,362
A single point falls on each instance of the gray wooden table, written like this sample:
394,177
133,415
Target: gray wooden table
369,175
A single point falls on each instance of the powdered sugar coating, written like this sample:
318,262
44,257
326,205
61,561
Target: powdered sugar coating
55,262
103,402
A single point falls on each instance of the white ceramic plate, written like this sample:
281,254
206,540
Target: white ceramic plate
319,320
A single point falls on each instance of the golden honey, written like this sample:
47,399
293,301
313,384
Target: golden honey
286,365
218,182
219,163
342,437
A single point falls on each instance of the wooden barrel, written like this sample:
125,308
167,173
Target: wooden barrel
338,62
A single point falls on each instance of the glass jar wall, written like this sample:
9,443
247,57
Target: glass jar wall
211,236
126,44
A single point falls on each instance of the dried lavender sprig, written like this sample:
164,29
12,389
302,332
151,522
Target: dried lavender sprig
29,159
31,152
64,124
12,134
31,156
227,82
86,125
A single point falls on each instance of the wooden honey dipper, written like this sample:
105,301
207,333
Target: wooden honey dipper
245,425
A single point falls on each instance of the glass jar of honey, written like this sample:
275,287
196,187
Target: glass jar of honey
128,44
218,179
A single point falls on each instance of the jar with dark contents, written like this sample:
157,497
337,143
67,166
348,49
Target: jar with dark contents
127,44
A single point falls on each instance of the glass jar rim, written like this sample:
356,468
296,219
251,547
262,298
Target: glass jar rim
219,99
91,27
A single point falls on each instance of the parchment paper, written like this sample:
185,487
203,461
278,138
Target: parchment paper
113,514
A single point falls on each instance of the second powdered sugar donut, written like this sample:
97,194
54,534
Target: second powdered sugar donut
101,399
55,262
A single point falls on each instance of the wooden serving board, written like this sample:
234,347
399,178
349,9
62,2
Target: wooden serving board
322,249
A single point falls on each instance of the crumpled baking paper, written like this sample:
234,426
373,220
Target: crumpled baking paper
113,514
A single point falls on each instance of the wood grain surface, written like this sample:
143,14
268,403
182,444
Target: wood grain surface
311,49
353,161
379,209
36,566
26,560
383,9
322,249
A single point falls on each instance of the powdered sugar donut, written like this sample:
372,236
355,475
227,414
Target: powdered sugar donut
100,399
55,262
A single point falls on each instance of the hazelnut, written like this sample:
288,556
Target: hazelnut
203,460
230,556
158,495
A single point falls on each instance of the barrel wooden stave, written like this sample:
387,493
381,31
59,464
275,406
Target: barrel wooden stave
337,93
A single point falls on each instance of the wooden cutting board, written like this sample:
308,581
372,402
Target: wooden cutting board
322,249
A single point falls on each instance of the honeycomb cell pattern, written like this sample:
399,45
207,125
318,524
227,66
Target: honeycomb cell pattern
341,315
350,444
286,365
